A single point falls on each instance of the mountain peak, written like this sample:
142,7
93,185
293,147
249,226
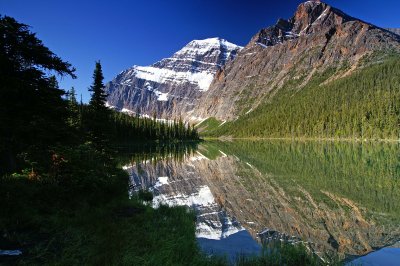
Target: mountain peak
310,17
213,42
309,12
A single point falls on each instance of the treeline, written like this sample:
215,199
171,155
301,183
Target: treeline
363,105
109,126
126,127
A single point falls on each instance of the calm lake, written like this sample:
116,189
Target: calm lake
342,199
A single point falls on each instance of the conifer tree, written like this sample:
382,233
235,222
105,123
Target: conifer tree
98,119
99,96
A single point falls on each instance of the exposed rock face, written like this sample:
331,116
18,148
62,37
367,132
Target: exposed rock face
171,87
317,37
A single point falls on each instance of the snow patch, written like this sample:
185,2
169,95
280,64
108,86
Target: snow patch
162,75
249,111
127,111
252,167
222,123
262,45
223,154
203,197
197,118
162,180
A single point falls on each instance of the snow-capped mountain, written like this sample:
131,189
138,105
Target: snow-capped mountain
171,87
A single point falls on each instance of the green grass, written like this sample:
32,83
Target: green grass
117,232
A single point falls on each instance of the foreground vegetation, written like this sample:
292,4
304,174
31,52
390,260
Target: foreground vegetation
365,104
83,216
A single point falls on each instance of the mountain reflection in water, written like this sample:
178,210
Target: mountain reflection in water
341,198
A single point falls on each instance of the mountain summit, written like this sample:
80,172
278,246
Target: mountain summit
316,38
173,85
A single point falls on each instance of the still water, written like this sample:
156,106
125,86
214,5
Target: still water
341,199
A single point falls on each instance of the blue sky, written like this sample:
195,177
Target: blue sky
140,32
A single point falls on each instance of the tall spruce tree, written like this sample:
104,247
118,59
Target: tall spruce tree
99,114
99,96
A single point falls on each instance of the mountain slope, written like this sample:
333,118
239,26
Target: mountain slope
171,87
365,104
317,38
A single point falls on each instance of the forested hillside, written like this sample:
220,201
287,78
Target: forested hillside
365,104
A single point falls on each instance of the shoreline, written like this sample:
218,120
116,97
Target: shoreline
223,138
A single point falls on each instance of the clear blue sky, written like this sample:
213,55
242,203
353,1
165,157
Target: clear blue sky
140,32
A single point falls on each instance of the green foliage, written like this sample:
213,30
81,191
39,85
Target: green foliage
363,105
95,117
99,96
282,254
127,128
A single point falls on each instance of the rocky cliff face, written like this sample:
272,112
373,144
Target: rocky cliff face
171,87
316,38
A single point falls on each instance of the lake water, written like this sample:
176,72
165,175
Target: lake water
342,199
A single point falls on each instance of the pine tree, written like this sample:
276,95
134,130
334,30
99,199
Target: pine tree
99,96
98,118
